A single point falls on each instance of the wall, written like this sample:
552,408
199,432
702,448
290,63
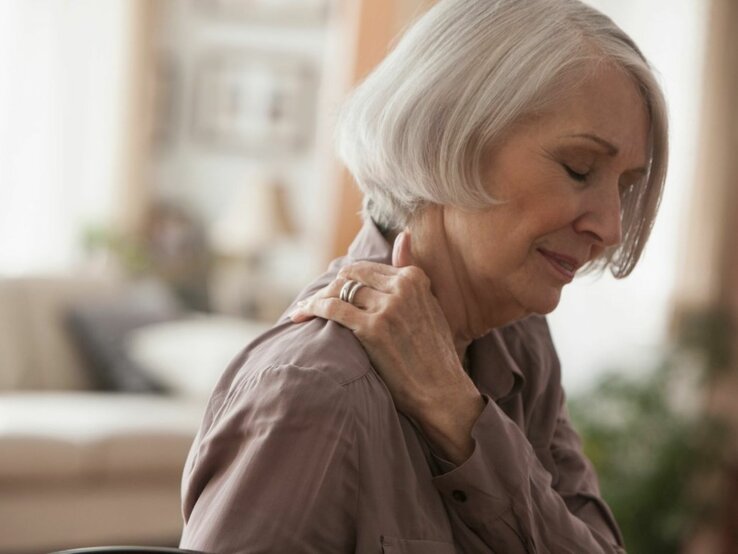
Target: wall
604,324
207,179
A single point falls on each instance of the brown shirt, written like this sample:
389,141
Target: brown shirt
302,450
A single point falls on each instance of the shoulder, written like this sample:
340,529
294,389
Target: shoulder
330,350
267,403
276,419
323,346
308,367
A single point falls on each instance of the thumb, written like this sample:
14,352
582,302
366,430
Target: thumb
402,255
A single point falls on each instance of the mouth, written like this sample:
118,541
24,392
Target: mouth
566,266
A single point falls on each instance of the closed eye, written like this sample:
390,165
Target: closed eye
581,177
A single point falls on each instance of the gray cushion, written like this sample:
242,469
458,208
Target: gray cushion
100,328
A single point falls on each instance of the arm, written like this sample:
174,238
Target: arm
508,499
577,482
274,470
499,490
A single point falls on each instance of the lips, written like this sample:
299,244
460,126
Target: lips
565,264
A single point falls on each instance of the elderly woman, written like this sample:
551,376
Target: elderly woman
411,401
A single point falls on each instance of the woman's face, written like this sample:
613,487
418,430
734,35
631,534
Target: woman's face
560,178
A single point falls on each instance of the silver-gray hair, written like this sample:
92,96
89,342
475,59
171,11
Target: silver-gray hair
416,131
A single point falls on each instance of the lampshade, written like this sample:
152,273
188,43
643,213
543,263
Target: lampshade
256,218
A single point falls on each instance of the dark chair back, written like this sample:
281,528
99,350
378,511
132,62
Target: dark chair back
126,550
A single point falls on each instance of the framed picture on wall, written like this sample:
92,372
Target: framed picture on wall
276,12
254,103
165,100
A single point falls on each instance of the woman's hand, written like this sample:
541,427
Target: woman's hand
403,329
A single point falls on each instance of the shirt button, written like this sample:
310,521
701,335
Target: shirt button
459,496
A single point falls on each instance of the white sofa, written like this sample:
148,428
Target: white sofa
80,467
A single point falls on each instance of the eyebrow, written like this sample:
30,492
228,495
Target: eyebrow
610,148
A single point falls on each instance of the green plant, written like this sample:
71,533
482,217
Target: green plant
127,250
650,453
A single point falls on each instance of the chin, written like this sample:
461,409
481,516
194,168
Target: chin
544,303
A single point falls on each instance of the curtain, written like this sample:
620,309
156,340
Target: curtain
64,66
708,281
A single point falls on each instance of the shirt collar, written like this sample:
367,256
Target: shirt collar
492,366
370,245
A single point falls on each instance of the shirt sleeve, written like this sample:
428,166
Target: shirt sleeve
505,495
274,469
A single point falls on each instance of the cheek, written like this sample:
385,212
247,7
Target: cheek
532,223
501,239
480,242
548,215
499,246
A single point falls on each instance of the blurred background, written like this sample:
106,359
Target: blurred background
167,186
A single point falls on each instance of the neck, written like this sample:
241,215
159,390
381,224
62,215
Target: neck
435,256
470,312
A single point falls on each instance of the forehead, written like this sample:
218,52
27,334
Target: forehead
607,103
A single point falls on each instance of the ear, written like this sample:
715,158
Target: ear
402,255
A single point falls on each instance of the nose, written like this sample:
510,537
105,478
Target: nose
601,217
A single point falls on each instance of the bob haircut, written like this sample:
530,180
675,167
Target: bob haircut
416,131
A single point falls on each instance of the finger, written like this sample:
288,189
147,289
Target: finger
384,269
372,275
332,309
401,252
332,289
298,316
365,298
369,299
